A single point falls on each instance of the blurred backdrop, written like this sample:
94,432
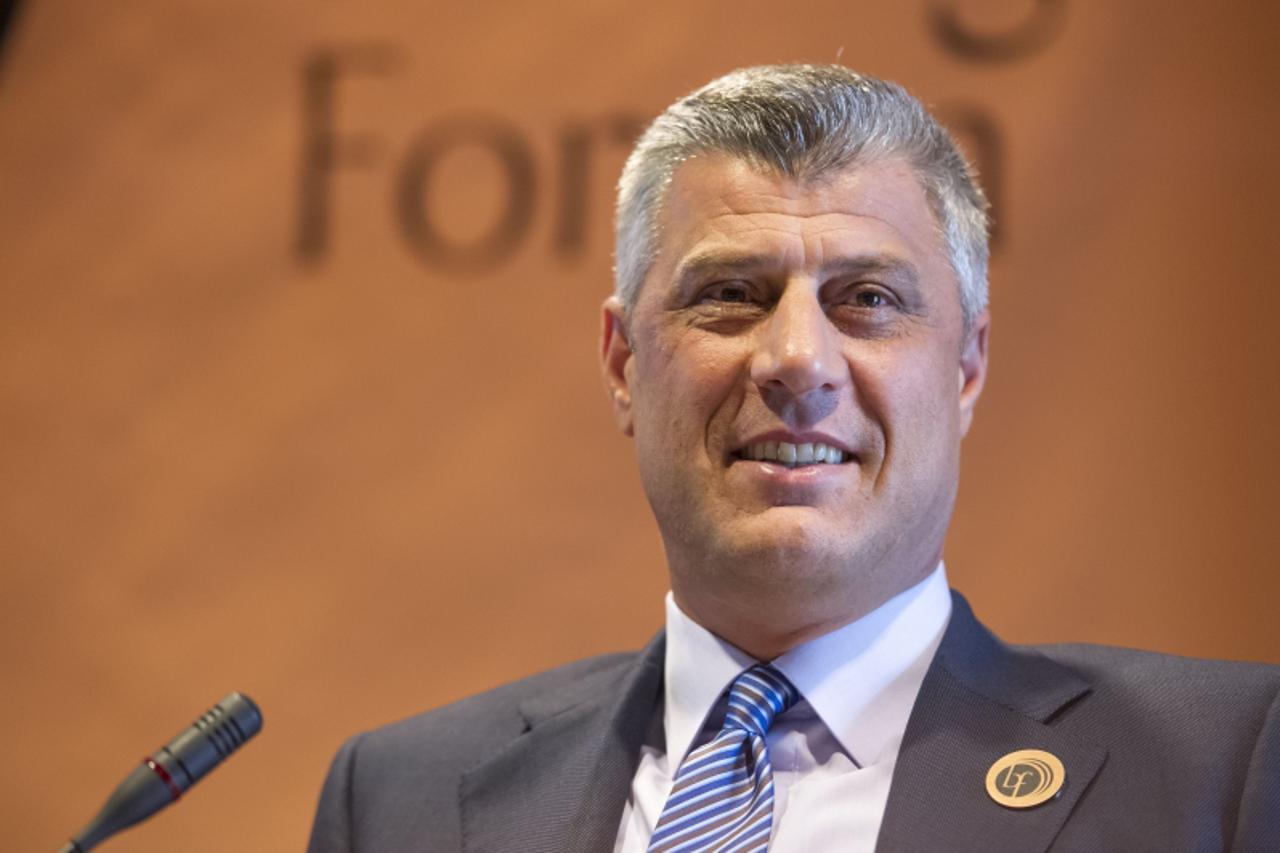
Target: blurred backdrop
298,316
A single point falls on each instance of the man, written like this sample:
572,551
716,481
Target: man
797,342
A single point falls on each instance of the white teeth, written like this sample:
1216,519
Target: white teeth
791,455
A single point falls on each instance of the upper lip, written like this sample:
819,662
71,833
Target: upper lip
794,438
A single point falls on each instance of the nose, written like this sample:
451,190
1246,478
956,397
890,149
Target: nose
798,350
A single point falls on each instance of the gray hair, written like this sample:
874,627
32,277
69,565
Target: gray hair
804,121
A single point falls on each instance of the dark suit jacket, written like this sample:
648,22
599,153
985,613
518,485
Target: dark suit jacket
1161,754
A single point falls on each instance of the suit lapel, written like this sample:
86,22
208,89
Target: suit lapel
562,784
982,700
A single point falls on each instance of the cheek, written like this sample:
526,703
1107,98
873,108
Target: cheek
712,369
913,395
685,385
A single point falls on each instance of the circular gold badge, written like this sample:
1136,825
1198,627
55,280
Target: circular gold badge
1025,778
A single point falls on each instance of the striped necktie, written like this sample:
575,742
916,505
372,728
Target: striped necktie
722,797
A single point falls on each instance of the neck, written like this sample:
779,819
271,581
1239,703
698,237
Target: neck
787,618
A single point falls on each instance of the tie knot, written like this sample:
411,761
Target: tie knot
757,696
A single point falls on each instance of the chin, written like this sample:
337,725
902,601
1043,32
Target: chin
786,547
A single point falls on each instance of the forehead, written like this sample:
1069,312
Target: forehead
719,205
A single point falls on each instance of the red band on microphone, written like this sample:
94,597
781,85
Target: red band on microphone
174,790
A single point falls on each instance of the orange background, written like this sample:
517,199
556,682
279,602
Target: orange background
355,480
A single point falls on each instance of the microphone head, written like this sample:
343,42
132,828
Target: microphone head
165,775
219,732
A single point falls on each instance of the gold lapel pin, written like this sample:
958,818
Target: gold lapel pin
1025,778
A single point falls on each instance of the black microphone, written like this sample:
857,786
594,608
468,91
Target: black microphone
166,774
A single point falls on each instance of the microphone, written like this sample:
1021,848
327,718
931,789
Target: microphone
166,774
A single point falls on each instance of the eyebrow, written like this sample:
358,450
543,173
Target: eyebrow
699,267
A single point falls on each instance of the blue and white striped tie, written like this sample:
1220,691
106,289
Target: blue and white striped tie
722,798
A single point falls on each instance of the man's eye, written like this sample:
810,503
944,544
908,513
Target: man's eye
870,299
732,291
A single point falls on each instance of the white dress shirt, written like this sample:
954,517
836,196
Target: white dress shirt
833,753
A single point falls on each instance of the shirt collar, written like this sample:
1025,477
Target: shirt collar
860,679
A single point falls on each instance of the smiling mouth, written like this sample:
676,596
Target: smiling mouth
791,455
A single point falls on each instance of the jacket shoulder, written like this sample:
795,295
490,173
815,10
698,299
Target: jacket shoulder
457,728
393,786
1109,667
1168,704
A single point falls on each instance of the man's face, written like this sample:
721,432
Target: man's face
797,377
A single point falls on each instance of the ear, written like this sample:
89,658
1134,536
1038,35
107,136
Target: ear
973,368
615,353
